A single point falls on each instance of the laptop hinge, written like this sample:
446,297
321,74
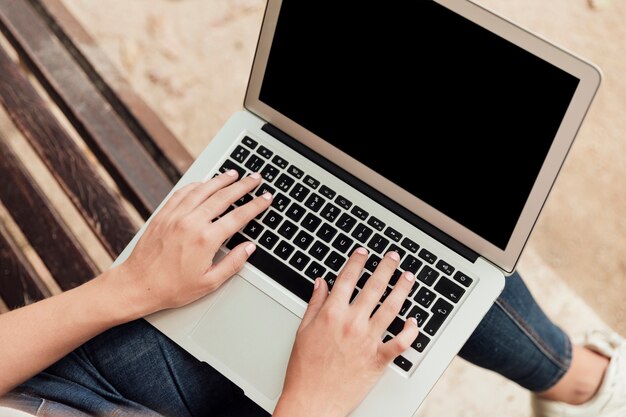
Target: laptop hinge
380,198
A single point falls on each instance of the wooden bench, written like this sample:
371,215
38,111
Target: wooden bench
88,127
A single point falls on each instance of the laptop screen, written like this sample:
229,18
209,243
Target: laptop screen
447,110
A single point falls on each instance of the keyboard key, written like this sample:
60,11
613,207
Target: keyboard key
385,294
360,213
330,279
280,202
403,363
396,248
265,153
405,307
311,222
376,224
442,307
372,262
295,212
295,171
427,256
319,250
449,289
327,192
249,142
255,163
428,275
343,202
303,240
315,270
240,154
354,294
311,182
330,212
299,192
410,245
425,297
362,233
415,287
287,230
253,229
411,263
243,200
463,279
280,162
420,342
284,250
346,222
335,261
265,188
272,219
284,182
342,243
395,277
314,203
276,270
418,314
434,324
393,234
268,239
396,326
326,232
378,243
269,172
228,165
363,280
299,261
445,267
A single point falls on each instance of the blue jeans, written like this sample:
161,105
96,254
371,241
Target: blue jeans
133,370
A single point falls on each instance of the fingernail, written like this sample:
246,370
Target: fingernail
317,284
267,196
232,173
409,276
250,249
361,251
394,255
413,320
256,176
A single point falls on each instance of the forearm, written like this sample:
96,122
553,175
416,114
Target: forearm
36,336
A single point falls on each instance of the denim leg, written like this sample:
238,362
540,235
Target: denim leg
131,370
517,340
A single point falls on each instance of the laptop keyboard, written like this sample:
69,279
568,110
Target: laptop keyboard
311,230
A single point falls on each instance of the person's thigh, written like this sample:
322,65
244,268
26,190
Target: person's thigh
517,340
132,370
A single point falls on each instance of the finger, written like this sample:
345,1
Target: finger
392,305
222,199
229,265
320,293
229,224
390,350
377,283
206,190
348,277
176,198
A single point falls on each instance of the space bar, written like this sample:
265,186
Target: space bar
276,270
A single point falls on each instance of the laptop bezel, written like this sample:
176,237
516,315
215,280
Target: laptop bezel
507,259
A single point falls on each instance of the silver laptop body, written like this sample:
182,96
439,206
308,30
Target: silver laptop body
491,104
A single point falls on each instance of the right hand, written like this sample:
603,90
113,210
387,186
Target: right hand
338,354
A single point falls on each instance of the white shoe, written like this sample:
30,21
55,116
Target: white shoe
610,400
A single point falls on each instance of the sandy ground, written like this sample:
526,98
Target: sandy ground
190,59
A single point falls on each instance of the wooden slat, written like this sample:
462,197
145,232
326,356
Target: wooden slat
141,119
138,176
97,203
19,284
46,232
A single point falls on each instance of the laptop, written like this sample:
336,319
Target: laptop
432,128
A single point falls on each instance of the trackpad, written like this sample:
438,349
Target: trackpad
251,334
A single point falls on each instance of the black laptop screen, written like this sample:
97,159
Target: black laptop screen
482,111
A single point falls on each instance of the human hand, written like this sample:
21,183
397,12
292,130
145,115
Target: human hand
172,264
338,354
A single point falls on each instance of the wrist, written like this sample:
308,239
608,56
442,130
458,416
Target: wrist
293,405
